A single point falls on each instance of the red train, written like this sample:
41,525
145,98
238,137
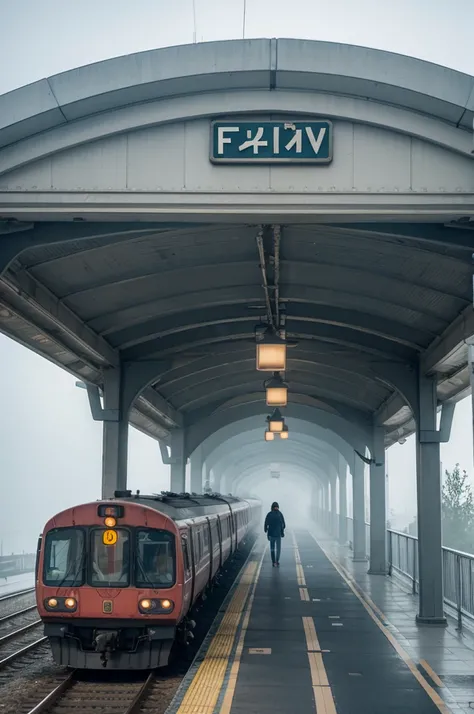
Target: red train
116,580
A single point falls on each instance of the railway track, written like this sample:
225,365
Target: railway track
14,603
20,642
17,614
11,596
75,696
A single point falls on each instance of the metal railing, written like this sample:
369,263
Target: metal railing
458,569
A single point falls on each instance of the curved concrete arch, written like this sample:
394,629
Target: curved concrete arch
358,435
410,85
250,462
249,431
295,452
253,440
244,486
312,476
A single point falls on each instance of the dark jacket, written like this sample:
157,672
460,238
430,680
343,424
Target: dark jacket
275,524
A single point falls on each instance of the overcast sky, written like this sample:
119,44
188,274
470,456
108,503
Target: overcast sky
50,449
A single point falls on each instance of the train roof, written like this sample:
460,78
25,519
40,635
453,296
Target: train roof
183,506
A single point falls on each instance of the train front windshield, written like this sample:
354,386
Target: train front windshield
64,557
155,558
143,557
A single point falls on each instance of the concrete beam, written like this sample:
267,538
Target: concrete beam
450,342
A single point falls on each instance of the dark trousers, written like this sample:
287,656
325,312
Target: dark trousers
275,548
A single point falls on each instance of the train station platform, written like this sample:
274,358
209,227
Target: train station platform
319,635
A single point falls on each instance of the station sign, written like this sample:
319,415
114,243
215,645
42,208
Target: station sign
271,142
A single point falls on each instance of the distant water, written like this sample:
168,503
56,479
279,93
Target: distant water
16,582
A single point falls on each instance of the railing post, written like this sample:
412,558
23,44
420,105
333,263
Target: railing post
390,552
459,591
415,553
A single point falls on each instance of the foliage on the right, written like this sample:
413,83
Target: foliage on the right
458,511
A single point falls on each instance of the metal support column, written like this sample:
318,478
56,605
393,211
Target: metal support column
206,477
378,506
325,505
115,432
342,500
358,499
178,461
428,472
196,470
333,516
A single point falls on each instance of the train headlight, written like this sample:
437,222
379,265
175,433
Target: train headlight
60,604
110,522
156,607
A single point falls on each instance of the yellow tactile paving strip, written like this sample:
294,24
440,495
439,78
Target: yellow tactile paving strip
203,692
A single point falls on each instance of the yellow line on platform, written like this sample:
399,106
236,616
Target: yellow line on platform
203,692
234,671
324,700
364,600
299,568
312,641
432,673
304,594
322,692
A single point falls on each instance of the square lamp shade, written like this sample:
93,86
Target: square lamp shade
271,356
277,396
284,434
269,436
275,425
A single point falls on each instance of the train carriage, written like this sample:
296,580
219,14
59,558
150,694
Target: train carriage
116,580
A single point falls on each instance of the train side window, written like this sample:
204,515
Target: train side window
214,533
198,542
205,534
38,552
187,565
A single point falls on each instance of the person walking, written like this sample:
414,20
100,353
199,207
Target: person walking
275,529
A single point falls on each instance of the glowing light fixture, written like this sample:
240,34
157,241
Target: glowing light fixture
276,391
285,433
276,421
269,436
271,352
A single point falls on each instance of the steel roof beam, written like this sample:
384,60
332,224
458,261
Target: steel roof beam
345,318
441,235
241,329
451,341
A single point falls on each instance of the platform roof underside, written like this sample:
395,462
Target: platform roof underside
189,294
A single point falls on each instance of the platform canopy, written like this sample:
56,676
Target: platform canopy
121,242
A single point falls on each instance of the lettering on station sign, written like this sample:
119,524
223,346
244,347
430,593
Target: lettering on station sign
276,142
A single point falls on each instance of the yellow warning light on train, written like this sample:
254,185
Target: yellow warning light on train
109,537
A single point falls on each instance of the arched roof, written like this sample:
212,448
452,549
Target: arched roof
233,65
365,303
